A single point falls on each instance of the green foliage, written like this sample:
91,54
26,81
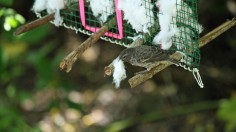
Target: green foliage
11,18
6,2
16,58
227,113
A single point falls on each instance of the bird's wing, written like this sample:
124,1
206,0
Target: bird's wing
160,56
153,54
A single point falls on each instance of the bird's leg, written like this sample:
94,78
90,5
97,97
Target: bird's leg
148,68
172,61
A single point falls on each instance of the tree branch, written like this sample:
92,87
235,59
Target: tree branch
138,79
70,59
34,24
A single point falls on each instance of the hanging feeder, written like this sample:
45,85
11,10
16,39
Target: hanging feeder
157,22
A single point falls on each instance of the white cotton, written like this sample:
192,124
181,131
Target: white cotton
119,73
102,9
55,6
164,38
51,6
167,12
138,14
200,28
167,21
39,5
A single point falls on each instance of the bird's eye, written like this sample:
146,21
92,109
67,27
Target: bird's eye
124,56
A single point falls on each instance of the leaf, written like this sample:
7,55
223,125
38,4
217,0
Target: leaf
227,110
227,113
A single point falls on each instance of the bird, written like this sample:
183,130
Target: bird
146,56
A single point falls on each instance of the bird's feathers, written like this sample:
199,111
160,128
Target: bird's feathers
144,56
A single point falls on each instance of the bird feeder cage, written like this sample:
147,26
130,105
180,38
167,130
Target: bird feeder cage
139,19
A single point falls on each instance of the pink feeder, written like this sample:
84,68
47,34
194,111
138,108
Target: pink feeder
94,29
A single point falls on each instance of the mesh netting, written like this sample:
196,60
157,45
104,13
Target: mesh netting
140,19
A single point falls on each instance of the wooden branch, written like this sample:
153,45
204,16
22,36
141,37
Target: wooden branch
34,24
70,59
108,70
138,79
217,32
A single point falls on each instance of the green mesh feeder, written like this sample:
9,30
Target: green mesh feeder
78,15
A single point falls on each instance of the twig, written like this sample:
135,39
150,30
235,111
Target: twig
34,24
70,59
108,70
138,79
217,32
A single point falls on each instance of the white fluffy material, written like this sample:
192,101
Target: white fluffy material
55,6
119,73
39,5
102,9
167,19
164,37
138,13
167,12
51,6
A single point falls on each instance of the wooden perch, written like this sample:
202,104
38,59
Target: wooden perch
139,78
34,24
70,59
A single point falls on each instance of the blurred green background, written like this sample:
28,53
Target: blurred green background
36,96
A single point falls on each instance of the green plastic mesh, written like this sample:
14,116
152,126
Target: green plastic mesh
187,42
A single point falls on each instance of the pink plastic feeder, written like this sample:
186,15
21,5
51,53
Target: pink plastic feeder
94,29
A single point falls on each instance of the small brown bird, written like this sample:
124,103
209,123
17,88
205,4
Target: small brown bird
146,56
